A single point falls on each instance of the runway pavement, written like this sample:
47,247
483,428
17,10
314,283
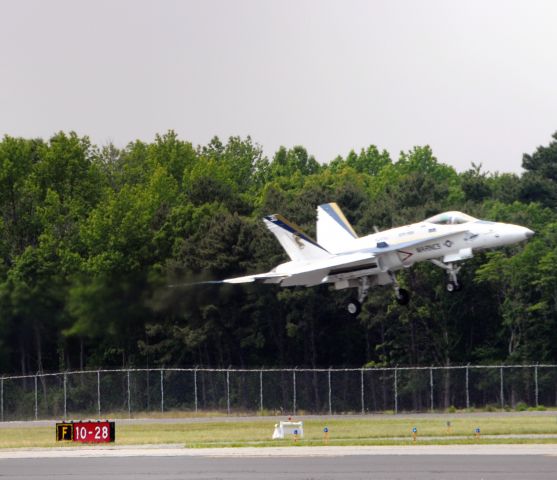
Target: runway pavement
455,462
174,450
346,467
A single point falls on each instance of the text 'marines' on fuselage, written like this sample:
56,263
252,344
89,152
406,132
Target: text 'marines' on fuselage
342,258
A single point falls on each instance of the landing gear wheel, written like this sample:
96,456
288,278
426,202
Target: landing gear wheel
354,307
402,296
453,285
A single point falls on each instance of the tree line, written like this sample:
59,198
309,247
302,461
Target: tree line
95,243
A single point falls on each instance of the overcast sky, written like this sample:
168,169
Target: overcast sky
476,80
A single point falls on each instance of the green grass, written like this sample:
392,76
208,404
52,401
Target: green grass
365,431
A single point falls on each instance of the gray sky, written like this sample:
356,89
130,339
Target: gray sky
476,80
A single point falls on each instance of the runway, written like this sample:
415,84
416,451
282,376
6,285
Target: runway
488,462
377,467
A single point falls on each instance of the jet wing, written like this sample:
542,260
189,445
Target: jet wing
314,273
269,277
311,272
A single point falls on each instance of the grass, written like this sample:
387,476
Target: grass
364,431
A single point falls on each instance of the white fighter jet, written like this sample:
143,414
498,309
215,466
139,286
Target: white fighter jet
342,258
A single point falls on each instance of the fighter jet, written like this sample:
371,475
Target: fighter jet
341,258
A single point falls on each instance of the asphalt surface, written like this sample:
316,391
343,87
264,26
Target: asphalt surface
377,467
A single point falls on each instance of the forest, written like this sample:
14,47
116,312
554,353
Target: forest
96,242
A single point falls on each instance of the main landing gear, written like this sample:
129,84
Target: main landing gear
354,306
402,296
453,285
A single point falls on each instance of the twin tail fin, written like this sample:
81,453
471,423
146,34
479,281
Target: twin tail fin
298,246
334,234
334,231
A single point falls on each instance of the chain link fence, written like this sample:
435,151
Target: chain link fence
129,392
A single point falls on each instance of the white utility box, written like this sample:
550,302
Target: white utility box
288,428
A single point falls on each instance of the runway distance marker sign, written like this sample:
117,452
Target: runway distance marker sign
86,432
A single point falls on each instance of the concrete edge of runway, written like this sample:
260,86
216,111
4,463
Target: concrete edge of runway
181,451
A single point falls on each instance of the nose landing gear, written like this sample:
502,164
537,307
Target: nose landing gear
453,285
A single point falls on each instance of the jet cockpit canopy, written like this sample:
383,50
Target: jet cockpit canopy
450,218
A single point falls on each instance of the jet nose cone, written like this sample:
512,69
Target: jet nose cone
529,233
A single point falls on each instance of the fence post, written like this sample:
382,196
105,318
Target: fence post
294,391
2,399
228,391
396,390
65,397
467,389
330,393
36,400
129,397
261,390
431,388
536,384
502,392
162,389
195,387
99,393
362,393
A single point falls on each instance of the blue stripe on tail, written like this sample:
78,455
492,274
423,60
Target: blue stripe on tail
289,227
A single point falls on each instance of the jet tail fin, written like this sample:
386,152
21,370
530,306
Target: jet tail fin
334,231
298,246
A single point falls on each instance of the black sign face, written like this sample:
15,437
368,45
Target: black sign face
64,431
